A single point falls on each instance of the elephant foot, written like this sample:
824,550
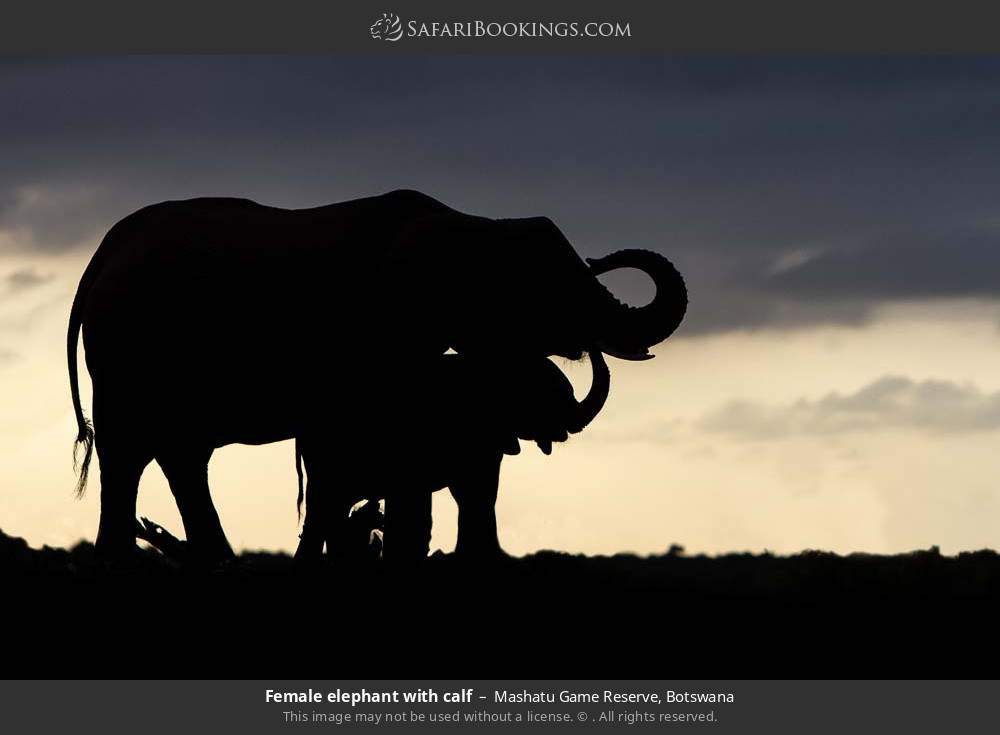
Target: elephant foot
119,560
404,562
233,567
208,547
404,554
310,548
481,552
115,549
199,561
212,554
210,551
308,562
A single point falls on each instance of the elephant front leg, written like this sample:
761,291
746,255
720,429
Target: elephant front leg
475,491
325,523
327,505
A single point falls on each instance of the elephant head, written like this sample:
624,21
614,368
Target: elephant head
540,404
517,287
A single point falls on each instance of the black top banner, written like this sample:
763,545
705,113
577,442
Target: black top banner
447,26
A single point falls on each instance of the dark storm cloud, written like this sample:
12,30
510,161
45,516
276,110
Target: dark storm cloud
891,402
789,191
964,261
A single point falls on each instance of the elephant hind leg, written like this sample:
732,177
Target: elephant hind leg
121,467
187,472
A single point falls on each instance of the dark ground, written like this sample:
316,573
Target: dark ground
548,615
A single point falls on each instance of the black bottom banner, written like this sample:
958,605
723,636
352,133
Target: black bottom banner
249,707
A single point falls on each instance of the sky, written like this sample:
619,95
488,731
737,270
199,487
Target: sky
836,384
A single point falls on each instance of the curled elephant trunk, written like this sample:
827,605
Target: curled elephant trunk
628,332
587,409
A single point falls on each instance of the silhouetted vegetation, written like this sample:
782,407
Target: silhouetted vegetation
804,576
548,614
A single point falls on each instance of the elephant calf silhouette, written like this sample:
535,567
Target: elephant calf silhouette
456,422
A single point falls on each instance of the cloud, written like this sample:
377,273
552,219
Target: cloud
891,402
790,191
960,261
25,279
51,218
28,316
846,283
655,432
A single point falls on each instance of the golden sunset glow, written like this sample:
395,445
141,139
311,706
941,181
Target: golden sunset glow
659,466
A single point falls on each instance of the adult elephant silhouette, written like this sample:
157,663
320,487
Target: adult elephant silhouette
453,431
210,322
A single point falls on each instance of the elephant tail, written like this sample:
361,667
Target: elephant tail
298,471
85,429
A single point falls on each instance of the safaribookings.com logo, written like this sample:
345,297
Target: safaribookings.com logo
387,28
390,28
